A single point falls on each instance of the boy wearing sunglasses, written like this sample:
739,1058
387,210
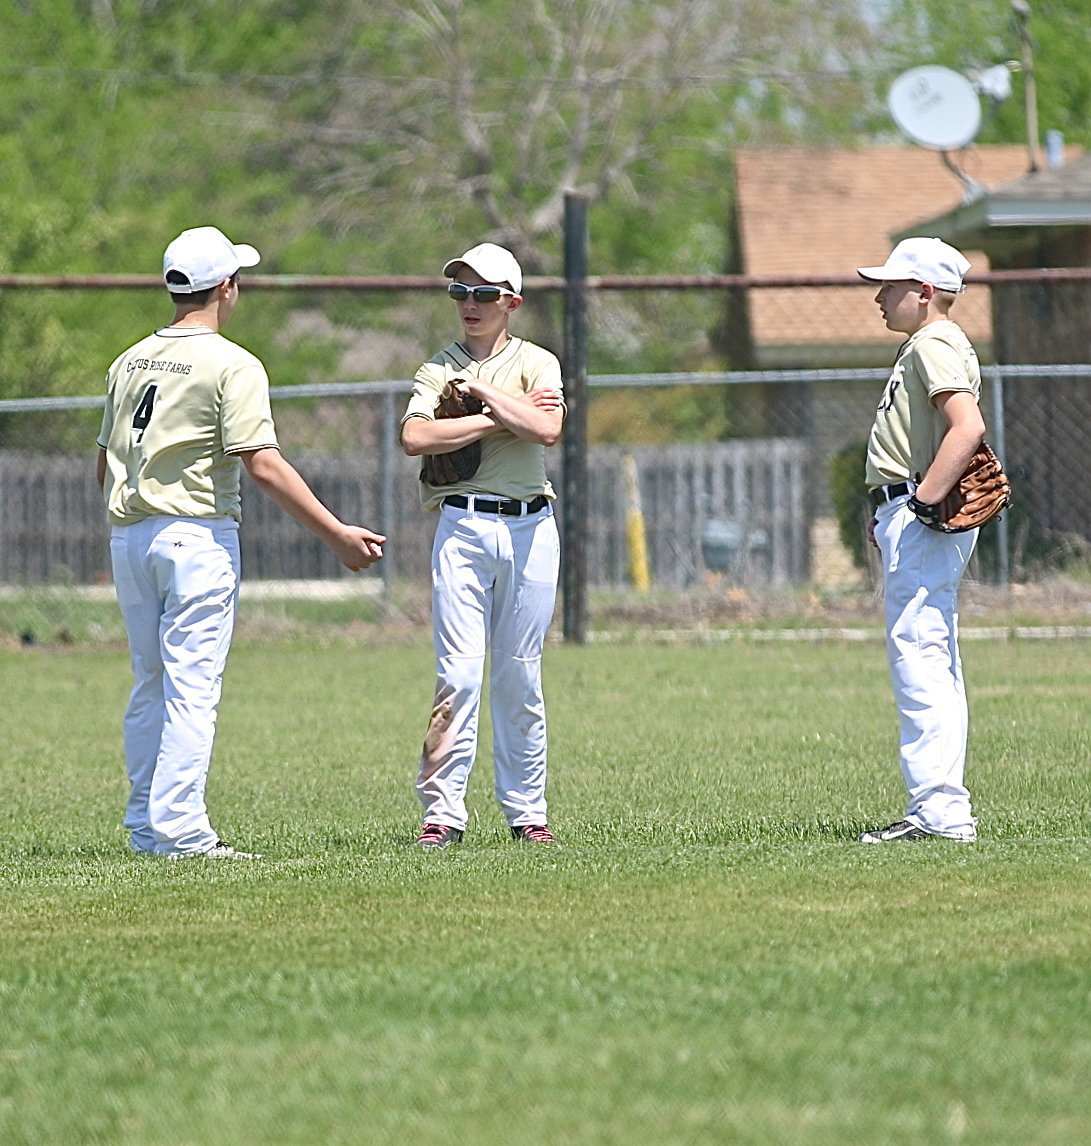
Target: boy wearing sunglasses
496,553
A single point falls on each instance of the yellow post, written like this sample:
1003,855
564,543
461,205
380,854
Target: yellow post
634,529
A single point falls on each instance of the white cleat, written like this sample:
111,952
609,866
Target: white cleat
218,851
907,830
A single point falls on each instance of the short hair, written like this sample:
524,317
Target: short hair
190,298
946,298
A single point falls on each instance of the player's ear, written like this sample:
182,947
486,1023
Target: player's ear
927,292
514,302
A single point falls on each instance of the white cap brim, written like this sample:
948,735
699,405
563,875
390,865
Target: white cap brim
247,255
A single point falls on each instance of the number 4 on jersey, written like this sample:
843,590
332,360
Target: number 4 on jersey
143,413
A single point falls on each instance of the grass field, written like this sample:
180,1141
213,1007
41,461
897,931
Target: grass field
707,956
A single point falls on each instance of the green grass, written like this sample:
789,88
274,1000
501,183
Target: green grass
707,957
61,615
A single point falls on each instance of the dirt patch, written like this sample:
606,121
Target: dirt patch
1054,602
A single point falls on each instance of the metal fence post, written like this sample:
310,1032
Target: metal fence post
386,483
574,439
1003,551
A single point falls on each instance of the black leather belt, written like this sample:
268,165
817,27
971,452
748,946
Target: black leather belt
884,493
509,507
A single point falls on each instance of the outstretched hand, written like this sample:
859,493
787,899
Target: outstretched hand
358,548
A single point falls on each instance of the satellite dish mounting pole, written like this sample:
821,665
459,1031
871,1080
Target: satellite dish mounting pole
1030,92
971,189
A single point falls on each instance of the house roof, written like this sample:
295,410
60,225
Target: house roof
1054,197
812,211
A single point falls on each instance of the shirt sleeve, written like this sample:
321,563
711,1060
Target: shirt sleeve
246,418
428,384
942,367
544,373
107,427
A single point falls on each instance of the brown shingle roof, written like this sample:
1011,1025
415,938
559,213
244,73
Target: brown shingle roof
825,212
1072,182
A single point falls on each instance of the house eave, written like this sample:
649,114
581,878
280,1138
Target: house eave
969,224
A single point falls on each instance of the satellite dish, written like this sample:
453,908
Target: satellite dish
935,107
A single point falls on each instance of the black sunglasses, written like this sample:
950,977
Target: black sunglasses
460,292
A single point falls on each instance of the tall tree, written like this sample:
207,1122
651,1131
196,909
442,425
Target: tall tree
371,135
506,107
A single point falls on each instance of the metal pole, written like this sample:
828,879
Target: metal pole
1021,10
574,439
386,484
1003,552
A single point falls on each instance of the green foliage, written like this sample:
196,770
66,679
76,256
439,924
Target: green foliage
119,127
343,137
658,415
850,501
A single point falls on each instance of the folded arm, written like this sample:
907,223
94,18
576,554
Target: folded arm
536,416
421,435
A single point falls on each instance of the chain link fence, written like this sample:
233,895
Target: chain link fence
745,478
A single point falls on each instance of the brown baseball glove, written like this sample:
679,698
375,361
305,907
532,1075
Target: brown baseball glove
446,469
978,496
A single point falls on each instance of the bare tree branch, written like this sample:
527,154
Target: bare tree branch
574,94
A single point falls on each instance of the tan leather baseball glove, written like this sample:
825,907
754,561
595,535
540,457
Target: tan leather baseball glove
978,496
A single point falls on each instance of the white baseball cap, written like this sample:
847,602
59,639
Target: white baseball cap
206,256
924,261
494,264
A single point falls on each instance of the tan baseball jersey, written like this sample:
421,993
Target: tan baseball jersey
908,429
511,467
180,404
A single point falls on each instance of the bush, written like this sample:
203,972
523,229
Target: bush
850,500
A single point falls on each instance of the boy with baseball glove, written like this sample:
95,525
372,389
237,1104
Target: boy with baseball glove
482,412
927,429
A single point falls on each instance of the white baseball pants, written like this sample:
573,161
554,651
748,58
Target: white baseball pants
922,570
177,584
494,584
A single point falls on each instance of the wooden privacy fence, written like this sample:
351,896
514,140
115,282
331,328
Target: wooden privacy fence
732,509
735,509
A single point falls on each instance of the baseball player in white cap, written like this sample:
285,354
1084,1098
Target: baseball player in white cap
927,427
184,405
495,557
